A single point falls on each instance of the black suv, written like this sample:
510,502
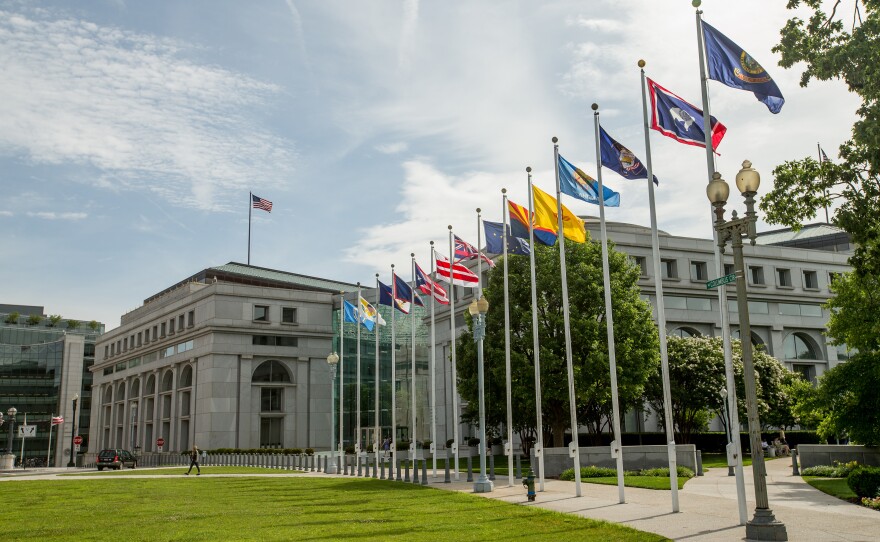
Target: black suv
115,459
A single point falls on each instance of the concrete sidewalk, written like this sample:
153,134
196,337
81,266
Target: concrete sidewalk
708,507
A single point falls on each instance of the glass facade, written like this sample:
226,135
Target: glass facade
403,381
31,358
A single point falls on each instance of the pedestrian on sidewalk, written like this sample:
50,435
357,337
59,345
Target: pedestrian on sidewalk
194,461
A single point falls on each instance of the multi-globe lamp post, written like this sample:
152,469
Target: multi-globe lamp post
332,361
478,310
763,526
11,419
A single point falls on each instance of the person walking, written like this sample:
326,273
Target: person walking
194,461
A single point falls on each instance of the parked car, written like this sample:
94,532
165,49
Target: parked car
115,459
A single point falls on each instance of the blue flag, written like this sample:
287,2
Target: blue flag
731,65
404,292
577,184
618,158
350,312
680,120
495,241
386,297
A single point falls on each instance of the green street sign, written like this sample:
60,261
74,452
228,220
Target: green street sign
720,281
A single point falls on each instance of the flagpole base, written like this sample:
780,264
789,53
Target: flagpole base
765,526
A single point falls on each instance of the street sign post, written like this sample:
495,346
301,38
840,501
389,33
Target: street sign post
720,281
77,440
160,442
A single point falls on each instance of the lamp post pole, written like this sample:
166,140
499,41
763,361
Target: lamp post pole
730,464
332,360
10,456
764,525
478,310
72,463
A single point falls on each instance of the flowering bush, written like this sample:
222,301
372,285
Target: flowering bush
872,503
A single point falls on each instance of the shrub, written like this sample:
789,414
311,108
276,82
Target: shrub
12,318
310,451
349,449
34,319
426,445
449,442
607,472
402,445
838,470
865,481
872,503
473,441
496,441
73,324
681,472
296,451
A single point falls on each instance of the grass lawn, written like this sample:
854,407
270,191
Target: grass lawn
836,487
719,461
177,471
275,508
644,482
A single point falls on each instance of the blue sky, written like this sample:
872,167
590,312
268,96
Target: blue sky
132,132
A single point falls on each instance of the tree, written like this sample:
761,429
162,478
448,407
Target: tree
54,319
854,312
637,352
848,401
830,49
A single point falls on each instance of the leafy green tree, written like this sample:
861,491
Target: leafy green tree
54,319
637,352
848,401
854,312
831,49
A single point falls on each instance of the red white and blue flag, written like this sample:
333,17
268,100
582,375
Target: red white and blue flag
259,203
674,117
467,251
429,287
57,420
456,273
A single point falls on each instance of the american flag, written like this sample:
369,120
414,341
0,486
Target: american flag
467,251
57,420
824,157
461,275
260,203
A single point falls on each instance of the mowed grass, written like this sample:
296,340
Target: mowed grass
644,482
719,461
836,487
180,471
275,508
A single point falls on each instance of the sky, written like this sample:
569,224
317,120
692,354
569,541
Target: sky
131,133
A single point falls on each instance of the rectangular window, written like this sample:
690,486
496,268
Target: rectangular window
698,304
811,310
288,315
270,432
140,336
670,269
755,307
191,318
808,372
790,309
108,371
729,269
642,264
146,335
286,341
672,302
163,330
833,277
152,356
811,280
756,274
118,347
166,352
125,345
699,271
184,347
121,366
180,323
156,333
261,313
106,351
783,278
171,326
270,399
134,363
263,340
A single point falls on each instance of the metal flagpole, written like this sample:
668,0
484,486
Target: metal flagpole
455,424
412,347
433,371
393,373
573,449
508,446
661,305
250,210
377,433
483,448
49,449
824,192
23,464
341,374
539,443
617,445
734,447
357,444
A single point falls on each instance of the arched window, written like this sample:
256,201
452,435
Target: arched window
799,346
120,391
271,371
166,381
135,389
151,385
185,377
685,332
756,339
108,395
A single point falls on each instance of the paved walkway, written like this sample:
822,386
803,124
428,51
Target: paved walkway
708,506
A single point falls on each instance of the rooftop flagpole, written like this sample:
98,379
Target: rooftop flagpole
573,447
250,210
735,447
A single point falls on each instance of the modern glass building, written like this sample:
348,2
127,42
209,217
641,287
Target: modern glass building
44,362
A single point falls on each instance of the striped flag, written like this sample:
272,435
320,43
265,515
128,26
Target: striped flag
57,420
461,275
260,203
467,251
426,286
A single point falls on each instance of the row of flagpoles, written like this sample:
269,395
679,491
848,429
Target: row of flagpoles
542,221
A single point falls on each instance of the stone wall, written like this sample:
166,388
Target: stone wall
556,460
813,455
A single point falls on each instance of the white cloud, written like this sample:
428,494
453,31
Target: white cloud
392,148
6,213
51,215
408,33
131,106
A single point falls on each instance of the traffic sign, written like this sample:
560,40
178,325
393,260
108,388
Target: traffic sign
160,442
720,281
77,440
27,431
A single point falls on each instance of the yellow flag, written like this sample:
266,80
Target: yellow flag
546,217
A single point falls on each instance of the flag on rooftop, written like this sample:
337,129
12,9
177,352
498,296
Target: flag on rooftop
259,203
577,184
728,63
495,241
673,117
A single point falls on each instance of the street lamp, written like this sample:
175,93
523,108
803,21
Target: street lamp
332,360
10,456
72,463
478,310
728,428
763,526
